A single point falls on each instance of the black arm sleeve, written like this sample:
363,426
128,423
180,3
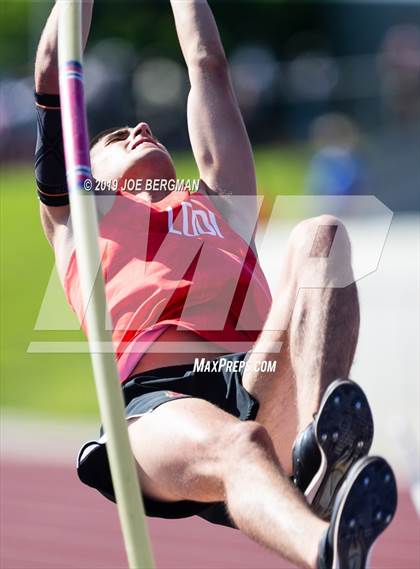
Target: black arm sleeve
50,170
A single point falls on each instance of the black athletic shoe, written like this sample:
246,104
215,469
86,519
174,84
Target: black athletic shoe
340,434
364,508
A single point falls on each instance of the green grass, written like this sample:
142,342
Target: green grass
62,384
57,384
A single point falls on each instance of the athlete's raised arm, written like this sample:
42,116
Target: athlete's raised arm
49,160
46,62
218,136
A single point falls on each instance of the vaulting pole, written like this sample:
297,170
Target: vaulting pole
85,230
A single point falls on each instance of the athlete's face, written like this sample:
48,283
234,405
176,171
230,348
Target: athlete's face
127,152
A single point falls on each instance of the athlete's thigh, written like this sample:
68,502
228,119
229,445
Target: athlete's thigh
177,448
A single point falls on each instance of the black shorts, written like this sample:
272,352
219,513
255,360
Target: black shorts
145,392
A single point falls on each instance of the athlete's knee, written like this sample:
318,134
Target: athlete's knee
317,234
244,440
321,243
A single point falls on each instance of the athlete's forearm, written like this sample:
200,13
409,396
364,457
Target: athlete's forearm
46,62
197,31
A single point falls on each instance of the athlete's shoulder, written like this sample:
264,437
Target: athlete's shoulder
219,199
238,211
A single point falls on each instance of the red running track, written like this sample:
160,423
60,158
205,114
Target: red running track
49,520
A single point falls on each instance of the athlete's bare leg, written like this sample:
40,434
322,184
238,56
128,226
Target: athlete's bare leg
318,327
201,453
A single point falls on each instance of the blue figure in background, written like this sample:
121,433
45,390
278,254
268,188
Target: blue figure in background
336,168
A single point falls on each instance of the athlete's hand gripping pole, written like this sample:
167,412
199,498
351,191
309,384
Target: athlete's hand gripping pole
85,229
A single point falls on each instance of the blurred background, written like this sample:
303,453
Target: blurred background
330,93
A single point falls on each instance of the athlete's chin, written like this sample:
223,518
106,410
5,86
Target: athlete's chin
153,162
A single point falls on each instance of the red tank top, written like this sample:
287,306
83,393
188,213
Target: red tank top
174,262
